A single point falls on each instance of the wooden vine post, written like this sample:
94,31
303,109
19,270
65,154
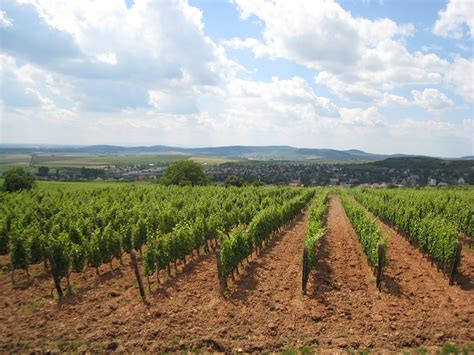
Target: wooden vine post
456,262
134,263
57,282
380,264
305,270
220,274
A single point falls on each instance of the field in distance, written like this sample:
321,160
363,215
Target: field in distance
97,161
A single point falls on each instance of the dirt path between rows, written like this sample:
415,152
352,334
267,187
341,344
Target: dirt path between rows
433,309
416,307
263,311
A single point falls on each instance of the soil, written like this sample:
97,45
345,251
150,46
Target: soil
263,310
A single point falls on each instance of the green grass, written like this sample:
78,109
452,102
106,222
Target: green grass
449,349
175,340
290,351
71,345
32,307
9,347
14,158
306,350
212,160
79,185
139,159
10,161
76,185
101,160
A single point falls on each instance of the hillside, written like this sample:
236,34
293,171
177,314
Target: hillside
280,152
425,163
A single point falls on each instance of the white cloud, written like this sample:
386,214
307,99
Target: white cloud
356,91
237,43
26,92
452,21
361,117
390,100
109,57
429,127
5,21
431,48
18,87
357,58
431,99
319,34
176,102
279,103
460,77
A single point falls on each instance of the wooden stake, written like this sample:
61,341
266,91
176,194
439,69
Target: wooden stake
305,271
12,270
456,262
220,276
69,288
381,258
137,274
57,281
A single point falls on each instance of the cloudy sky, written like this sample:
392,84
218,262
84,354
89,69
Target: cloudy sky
385,76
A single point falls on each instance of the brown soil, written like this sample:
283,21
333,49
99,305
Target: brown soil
263,310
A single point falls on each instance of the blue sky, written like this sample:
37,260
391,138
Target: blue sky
383,76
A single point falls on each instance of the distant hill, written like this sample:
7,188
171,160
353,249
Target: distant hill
424,163
277,152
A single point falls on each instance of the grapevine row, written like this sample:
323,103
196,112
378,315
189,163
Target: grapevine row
79,228
315,231
432,233
453,206
242,241
372,241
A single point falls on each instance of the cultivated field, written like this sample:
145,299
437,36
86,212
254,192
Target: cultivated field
222,269
97,161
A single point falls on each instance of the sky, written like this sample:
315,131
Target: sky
384,76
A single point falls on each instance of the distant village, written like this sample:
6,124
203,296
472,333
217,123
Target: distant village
292,173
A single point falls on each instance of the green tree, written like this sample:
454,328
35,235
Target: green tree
43,171
185,172
18,179
234,181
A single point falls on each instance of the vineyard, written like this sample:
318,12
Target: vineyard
431,221
373,243
73,230
234,269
